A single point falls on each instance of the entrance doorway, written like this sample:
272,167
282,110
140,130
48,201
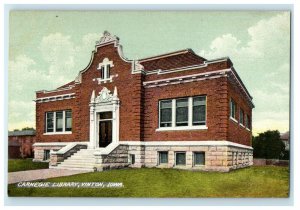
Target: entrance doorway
105,129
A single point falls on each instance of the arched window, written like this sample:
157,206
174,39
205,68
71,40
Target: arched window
104,68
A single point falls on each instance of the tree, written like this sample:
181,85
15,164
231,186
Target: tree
268,145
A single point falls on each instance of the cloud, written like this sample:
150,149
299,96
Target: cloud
59,52
58,64
272,101
263,61
267,38
22,113
22,74
88,41
270,35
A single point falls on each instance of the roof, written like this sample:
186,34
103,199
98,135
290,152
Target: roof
172,60
67,85
22,133
285,136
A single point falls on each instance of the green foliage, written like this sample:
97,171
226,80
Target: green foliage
25,129
266,181
286,155
28,128
24,165
268,145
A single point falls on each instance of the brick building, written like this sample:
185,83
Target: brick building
20,144
172,110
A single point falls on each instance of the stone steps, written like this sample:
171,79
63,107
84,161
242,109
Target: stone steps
84,159
81,160
73,168
79,165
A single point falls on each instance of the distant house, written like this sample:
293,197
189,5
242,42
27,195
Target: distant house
285,138
20,143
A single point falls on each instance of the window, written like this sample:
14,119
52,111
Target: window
68,121
166,113
182,112
242,116
58,122
232,108
46,155
199,110
49,122
105,71
163,157
132,159
247,122
102,72
199,158
180,158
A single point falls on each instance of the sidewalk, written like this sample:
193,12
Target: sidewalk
14,177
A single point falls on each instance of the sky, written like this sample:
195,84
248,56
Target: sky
48,48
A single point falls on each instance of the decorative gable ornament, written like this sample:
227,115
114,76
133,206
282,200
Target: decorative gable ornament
105,96
107,37
138,66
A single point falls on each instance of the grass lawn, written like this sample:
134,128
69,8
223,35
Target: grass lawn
267,181
24,165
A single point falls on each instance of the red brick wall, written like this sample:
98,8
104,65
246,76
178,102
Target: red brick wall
216,92
42,108
139,105
129,91
236,132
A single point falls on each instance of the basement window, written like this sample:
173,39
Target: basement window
180,158
163,157
131,159
46,155
199,158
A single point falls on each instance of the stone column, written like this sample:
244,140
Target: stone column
92,126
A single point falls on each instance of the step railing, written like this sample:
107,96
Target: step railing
59,156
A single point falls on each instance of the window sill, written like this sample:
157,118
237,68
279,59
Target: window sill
183,128
58,133
106,80
181,166
242,125
198,166
163,165
233,119
248,129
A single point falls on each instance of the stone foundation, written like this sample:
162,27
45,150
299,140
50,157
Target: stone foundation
219,157
40,150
